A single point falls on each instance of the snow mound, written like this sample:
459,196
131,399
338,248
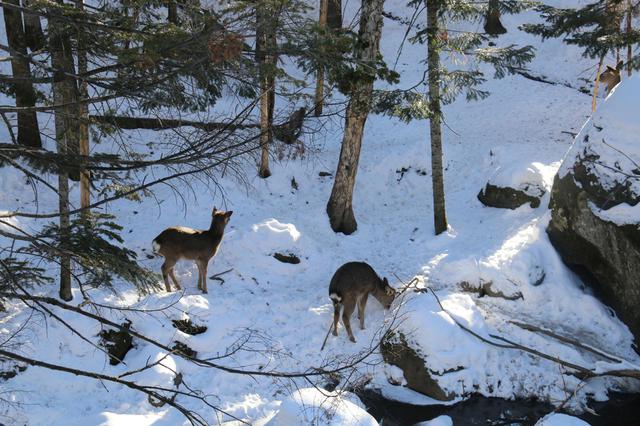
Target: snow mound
556,419
322,408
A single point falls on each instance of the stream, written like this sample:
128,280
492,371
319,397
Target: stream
620,410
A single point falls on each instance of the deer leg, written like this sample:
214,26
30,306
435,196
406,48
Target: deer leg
174,279
349,307
362,303
199,274
336,317
205,265
165,274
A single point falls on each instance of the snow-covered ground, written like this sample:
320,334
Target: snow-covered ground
285,308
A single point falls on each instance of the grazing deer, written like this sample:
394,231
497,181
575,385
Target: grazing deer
611,76
185,243
351,284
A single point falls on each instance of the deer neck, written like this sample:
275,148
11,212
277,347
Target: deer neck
216,231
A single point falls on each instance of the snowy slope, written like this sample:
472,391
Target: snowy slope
285,307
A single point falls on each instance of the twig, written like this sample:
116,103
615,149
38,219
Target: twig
217,276
324,342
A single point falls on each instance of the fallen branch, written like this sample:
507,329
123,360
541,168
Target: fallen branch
151,123
530,327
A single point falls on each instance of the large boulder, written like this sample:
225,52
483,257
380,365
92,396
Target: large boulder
594,201
396,351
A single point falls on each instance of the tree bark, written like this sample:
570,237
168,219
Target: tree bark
83,119
596,86
266,58
172,12
330,17
334,14
65,119
433,63
28,130
629,28
322,22
340,205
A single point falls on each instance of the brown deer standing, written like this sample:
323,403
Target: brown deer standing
185,243
350,286
611,76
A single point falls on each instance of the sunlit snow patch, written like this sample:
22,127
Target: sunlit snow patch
322,408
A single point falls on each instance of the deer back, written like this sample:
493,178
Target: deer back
186,243
354,279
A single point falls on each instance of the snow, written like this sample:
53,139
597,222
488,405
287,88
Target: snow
558,419
322,408
438,421
283,311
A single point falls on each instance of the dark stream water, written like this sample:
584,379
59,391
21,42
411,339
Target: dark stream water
620,410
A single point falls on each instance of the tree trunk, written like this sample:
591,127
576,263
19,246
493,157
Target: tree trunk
596,86
433,62
322,22
64,70
334,14
266,58
83,119
492,24
33,29
28,130
65,118
628,30
330,17
172,12
340,205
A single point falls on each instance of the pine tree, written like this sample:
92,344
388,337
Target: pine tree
435,128
444,85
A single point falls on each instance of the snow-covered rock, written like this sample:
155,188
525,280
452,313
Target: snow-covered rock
594,201
512,186
322,408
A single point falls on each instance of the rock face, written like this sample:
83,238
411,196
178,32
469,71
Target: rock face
396,351
594,201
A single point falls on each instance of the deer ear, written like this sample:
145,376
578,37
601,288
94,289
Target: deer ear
385,281
229,213
213,212
620,65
